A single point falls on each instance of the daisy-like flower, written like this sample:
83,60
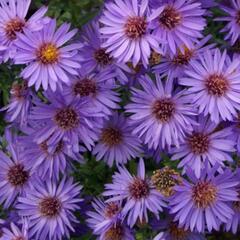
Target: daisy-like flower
179,23
232,28
126,30
203,202
104,216
214,85
137,192
15,174
117,142
205,146
174,65
15,233
96,88
48,161
72,122
161,116
50,62
49,208
20,103
13,21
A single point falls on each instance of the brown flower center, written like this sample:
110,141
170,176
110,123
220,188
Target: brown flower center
18,238
216,85
169,18
111,136
85,87
102,57
111,210
183,58
116,232
139,188
48,53
204,194
44,147
199,143
66,118
163,109
135,27
19,90
12,27
50,207
155,58
165,179
17,175
177,233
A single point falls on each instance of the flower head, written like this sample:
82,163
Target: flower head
15,233
50,62
49,208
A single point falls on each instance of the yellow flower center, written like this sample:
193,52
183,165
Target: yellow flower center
48,53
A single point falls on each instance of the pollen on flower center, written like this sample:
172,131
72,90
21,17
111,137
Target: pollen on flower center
135,27
17,175
183,58
177,232
50,207
163,109
12,27
111,209
204,194
216,85
199,143
169,17
155,58
165,179
85,87
66,118
48,53
139,188
116,232
111,136
102,57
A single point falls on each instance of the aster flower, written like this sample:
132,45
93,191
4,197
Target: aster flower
127,33
205,146
117,142
161,116
15,174
50,61
214,85
13,21
203,202
232,28
72,122
48,161
236,132
15,233
96,88
20,103
138,192
179,23
174,65
49,208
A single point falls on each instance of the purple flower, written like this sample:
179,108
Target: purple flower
232,28
174,65
161,116
48,161
72,122
203,203
126,30
205,146
20,103
15,233
117,142
138,193
49,208
179,23
50,62
13,21
97,89
214,85
15,174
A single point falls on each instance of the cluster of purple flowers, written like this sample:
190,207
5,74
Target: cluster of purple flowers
139,82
